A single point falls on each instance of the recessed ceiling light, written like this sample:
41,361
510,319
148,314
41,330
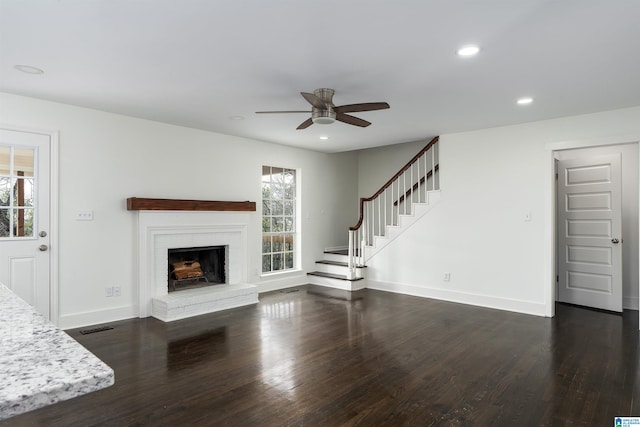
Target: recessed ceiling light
28,69
524,100
324,137
236,118
469,50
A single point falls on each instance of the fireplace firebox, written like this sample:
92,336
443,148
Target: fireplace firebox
196,267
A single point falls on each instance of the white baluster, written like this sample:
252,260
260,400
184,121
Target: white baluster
374,216
379,214
385,210
411,187
404,189
434,155
426,171
367,229
393,204
397,185
369,225
419,187
362,245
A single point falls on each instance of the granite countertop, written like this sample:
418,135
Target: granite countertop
39,363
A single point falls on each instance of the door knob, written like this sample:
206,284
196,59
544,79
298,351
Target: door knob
43,247
615,241
42,234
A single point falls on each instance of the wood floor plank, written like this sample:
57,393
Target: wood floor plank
320,357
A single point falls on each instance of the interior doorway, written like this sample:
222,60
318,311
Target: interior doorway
593,252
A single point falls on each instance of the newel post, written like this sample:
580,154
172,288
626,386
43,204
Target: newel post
351,261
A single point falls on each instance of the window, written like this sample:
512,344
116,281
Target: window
278,219
16,192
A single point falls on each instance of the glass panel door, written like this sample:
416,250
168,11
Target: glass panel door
17,192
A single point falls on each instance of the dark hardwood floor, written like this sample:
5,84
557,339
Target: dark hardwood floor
316,358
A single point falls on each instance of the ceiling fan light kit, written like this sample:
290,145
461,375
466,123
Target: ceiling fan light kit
323,117
324,111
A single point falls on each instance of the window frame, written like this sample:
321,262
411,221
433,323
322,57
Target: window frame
294,233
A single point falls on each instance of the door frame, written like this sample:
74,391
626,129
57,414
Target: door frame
54,312
550,226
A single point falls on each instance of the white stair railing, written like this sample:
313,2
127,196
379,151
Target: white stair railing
410,185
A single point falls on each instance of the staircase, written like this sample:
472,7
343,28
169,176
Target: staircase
333,271
404,199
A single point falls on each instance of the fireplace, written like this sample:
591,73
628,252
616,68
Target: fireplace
191,268
162,231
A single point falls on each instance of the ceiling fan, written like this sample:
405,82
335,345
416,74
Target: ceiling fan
324,112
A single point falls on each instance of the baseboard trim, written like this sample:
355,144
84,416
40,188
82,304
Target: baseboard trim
630,303
78,320
282,283
90,318
518,306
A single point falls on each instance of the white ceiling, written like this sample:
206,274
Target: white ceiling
198,62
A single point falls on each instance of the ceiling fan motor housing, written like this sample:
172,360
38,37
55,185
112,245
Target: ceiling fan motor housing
324,116
326,95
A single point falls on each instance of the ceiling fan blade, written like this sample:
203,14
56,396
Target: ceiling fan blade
345,118
365,106
282,112
305,124
314,100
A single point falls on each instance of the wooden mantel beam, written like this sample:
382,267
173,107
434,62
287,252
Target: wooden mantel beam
144,204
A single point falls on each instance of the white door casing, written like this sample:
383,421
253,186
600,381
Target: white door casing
589,232
25,264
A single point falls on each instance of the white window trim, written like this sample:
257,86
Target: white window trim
297,252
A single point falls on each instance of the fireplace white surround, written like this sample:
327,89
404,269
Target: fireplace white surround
159,231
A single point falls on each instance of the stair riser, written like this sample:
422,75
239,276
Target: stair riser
337,284
337,269
335,257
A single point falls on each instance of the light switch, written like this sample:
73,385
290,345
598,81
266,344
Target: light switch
84,215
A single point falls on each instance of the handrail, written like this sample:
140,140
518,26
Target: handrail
388,184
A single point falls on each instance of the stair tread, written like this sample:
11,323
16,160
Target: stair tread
339,263
332,276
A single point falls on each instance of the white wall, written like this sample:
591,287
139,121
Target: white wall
489,179
377,165
106,158
630,255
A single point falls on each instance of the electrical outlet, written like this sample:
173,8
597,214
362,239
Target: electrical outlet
116,291
446,277
84,215
108,292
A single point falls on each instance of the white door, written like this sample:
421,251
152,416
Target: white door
589,232
24,216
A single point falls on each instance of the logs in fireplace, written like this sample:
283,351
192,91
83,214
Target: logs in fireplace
186,269
196,267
